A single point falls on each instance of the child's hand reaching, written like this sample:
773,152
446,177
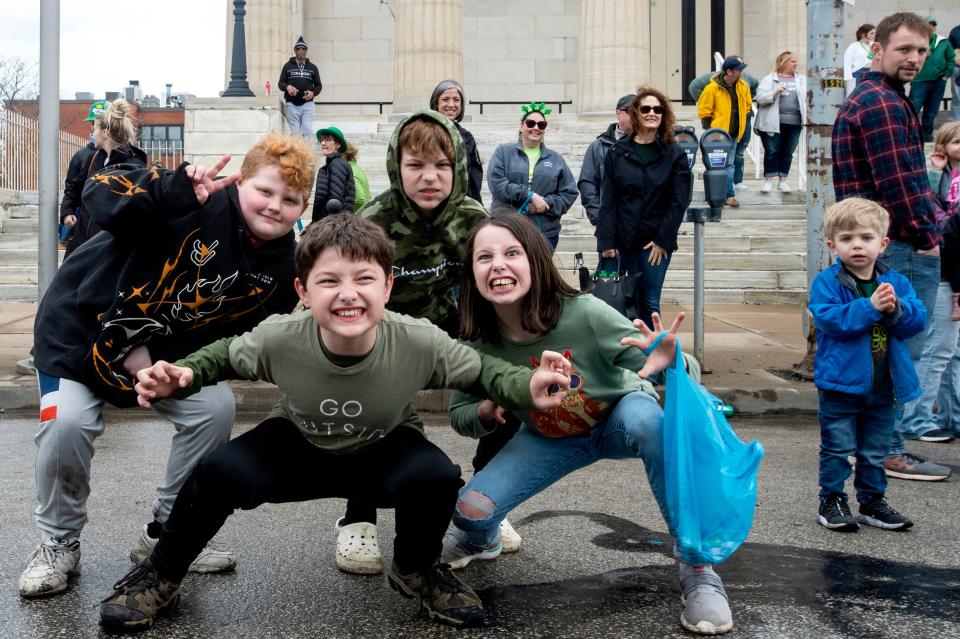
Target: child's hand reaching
490,411
552,377
884,299
204,180
938,160
161,380
666,351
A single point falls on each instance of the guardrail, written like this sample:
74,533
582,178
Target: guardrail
19,151
559,103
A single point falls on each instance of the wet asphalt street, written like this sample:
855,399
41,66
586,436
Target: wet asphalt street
595,561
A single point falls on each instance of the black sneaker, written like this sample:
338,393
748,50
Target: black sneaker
137,600
441,594
938,435
878,513
835,514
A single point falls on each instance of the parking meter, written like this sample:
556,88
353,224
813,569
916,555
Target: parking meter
686,139
717,148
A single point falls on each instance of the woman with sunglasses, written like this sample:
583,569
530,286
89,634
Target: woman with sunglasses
529,178
646,189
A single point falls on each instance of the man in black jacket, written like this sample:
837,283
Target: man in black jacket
591,173
300,83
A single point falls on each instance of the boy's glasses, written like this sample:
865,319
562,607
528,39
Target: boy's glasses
646,108
531,124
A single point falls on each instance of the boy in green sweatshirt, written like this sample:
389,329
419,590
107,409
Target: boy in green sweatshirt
347,369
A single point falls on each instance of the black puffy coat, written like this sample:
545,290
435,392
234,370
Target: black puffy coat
474,165
643,201
85,228
334,182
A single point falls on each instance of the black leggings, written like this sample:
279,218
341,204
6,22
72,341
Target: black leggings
487,447
274,463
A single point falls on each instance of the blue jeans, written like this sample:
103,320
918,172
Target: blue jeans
778,150
300,119
649,280
854,425
923,272
955,100
948,398
927,95
741,149
530,463
940,348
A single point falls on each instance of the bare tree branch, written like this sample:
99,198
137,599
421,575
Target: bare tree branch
19,79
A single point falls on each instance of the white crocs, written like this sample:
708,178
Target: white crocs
358,551
510,539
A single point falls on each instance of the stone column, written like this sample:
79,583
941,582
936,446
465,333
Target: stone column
427,48
614,52
269,42
788,32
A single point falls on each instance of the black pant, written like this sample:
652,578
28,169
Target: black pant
274,463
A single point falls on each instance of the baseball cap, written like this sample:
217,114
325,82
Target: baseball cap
624,103
337,135
931,20
96,109
732,62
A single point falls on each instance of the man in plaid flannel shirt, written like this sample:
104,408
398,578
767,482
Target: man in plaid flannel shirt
878,154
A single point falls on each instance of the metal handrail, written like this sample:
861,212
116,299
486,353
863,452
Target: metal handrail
379,104
559,103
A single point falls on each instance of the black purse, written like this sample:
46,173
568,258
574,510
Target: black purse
612,286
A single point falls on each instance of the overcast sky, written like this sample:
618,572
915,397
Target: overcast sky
104,44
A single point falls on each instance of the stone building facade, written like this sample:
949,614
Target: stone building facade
587,51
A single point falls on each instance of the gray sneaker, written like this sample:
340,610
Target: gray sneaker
442,595
458,552
705,607
910,466
48,570
215,557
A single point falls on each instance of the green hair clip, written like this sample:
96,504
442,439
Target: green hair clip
540,108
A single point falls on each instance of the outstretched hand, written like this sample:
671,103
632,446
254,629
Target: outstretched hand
204,180
161,380
665,353
550,378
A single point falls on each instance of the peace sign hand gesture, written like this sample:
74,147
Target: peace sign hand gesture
204,182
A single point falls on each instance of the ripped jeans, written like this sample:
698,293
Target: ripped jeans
530,462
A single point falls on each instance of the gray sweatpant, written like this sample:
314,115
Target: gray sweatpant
71,418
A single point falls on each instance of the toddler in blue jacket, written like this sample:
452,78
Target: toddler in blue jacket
863,313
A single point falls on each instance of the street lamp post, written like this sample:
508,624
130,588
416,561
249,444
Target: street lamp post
238,87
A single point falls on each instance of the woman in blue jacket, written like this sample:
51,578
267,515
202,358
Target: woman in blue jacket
530,178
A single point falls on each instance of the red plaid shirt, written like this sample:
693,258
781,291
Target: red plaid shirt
878,155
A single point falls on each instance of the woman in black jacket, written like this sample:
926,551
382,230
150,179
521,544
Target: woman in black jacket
114,134
646,189
447,98
335,177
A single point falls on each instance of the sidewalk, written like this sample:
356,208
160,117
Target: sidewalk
743,343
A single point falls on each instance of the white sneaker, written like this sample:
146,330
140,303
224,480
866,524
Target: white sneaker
358,551
48,570
767,186
214,558
510,539
784,187
741,186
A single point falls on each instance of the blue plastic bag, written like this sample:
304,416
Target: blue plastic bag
710,475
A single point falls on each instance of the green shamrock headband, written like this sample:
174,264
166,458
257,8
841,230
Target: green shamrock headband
540,108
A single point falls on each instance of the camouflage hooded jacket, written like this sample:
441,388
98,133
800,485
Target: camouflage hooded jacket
426,266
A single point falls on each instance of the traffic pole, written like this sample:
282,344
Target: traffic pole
825,93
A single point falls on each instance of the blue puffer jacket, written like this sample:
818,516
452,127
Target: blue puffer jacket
844,318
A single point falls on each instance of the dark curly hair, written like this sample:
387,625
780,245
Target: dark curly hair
665,132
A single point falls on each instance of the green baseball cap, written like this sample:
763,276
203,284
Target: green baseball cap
337,135
96,109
